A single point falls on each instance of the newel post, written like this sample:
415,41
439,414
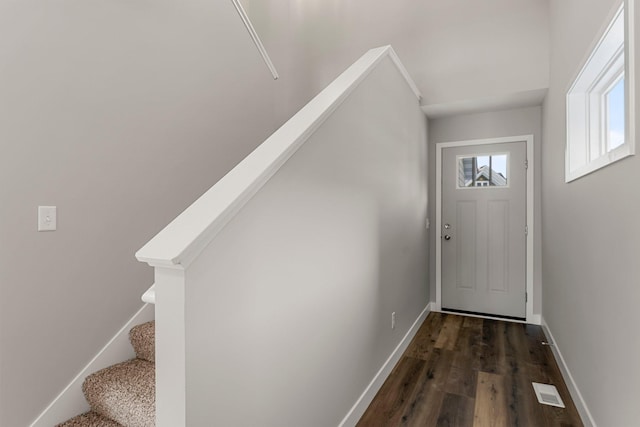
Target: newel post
170,347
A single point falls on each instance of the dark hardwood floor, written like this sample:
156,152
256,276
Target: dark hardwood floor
468,371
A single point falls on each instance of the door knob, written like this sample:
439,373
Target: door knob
447,237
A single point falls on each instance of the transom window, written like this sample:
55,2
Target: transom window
600,101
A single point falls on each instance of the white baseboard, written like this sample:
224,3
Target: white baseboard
581,405
535,319
71,402
369,393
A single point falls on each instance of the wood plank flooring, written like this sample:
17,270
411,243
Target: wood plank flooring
471,372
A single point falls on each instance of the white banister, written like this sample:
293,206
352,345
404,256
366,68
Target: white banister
150,295
255,38
180,242
241,269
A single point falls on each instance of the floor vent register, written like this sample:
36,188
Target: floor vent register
547,394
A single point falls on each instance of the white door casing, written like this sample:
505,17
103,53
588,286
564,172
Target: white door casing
478,276
483,236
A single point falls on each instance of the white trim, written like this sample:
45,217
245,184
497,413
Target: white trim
630,74
171,374
400,66
150,295
179,243
613,156
594,44
361,405
583,85
528,139
256,39
71,402
535,318
581,405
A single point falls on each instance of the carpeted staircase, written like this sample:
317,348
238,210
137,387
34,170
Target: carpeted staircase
123,395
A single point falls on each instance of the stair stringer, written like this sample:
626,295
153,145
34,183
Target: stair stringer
71,400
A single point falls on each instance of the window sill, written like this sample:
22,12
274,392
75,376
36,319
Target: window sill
611,157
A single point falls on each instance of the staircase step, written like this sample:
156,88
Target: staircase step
125,393
89,419
143,340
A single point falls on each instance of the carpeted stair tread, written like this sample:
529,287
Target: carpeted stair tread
89,419
143,340
124,393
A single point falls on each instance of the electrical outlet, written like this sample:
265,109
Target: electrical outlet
393,320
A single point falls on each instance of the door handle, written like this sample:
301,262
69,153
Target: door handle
447,237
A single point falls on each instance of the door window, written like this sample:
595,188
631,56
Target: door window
483,171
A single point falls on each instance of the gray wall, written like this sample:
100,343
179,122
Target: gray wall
520,121
455,50
121,114
591,240
288,310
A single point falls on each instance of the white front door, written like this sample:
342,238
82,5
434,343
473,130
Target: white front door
483,237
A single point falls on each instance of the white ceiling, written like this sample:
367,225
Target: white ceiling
465,56
528,98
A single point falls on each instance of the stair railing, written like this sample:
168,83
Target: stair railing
179,245
256,39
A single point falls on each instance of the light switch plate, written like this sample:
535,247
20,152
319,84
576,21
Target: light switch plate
47,218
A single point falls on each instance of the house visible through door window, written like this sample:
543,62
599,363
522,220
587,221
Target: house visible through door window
482,171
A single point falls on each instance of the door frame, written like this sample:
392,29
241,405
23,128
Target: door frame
528,139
